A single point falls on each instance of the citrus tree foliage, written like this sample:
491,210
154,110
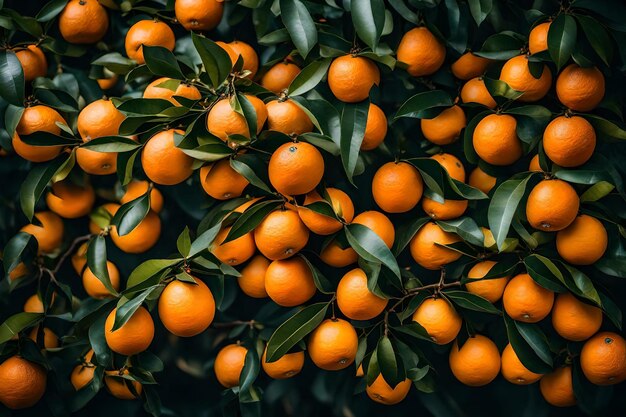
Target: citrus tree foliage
500,228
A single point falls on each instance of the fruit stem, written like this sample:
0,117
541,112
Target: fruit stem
70,250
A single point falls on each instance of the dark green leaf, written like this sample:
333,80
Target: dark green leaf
16,323
299,23
11,78
250,370
251,218
97,262
562,38
471,301
112,144
524,352
51,10
22,247
353,121
371,247
368,17
216,61
162,62
183,243
503,206
35,183
129,215
309,77
387,363
535,338
597,36
148,269
415,106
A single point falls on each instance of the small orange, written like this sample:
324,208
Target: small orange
495,139
281,234
287,117
321,224
95,288
580,89
99,118
223,121
96,163
199,14
234,252
83,373
354,298
351,78
142,237
557,387
119,386
37,119
603,359
440,320
538,38
50,339
287,366
448,210
421,51
229,364
397,187
34,304
252,278
333,344
185,90
574,320
475,91
378,223
249,55
382,393
83,21
583,242
50,234
22,383
289,282
477,362
69,200
452,165
534,164
186,309
280,76
163,162
481,180
569,141
552,205
517,75
514,371
149,33
33,61
221,181
427,253
490,289
134,336
334,255
375,128
136,189
295,168
446,127
525,300
107,83
469,66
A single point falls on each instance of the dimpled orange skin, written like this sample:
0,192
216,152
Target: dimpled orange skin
186,309
525,300
287,117
50,234
99,118
481,180
491,289
603,359
280,76
252,278
397,187
452,164
221,181
469,66
37,119
351,78
118,386
160,155
333,344
446,127
534,164
249,55
440,320
229,363
96,163
557,387
287,366
514,371
199,14
295,168
334,255
289,282
234,252
281,234
137,188
142,237
379,224
538,38
583,242
495,140
95,288
134,336
477,363
517,75
150,33
552,205
223,121
574,320
22,383
355,300
83,21
183,90
375,128
69,200
33,61
421,51
580,89
569,141
382,393
448,210
475,91
429,255
321,224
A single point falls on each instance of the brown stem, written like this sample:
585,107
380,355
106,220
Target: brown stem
70,250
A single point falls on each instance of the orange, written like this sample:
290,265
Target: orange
163,162
186,309
281,234
552,205
355,300
525,300
199,14
538,38
334,255
50,339
248,54
108,82
569,141
280,76
289,282
469,66
37,119
333,344
583,242
495,139
574,320
382,393
22,383
111,209
221,181
234,252
33,61
378,223
475,91
514,371
142,237
134,336
449,209
534,164
150,33
119,387
452,165
517,75
351,78
421,51
477,362
321,224
446,127
440,320
95,288
295,168
287,117
481,180
96,163
252,278
375,128
34,304
83,373
397,187
19,271
229,364
50,234
490,289
603,359
230,51
223,121
427,253
99,118
183,90
287,366
83,21
557,388
137,188
580,89
69,200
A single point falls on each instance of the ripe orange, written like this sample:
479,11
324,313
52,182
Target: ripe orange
252,278
525,300
495,139
514,371
34,304
234,252
221,181
382,393
96,163
250,58
95,288
334,255
295,168
142,237
452,165
223,121
569,141
229,364
427,253
230,51
355,300
580,89
69,200
79,258
281,234
199,14
163,162
333,344
186,309
134,336
557,388
481,180
378,223
50,339
119,387
33,61
397,187
375,128
421,51
289,282
517,75
37,119
287,117
449,209
321,224
183,90
475,91
83,21
552,205
50,234
280,76
446,127
150,33
111,209
603,359
534,164
469,66
491,289
22,383
82,374
99,118
137,188
107,83
351,78
574,320
477,362
538,38
583,242
440,320
287,366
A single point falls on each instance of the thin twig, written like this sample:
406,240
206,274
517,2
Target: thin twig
70,250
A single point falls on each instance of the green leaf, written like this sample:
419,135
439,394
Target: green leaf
11,78
480,9
183,243
115,62
323,284
97,340
606,128
16,323
415,106
162,62
387,363
501,46
129,215
97,262
405,233
251,218
369,246
498,88
22,247
51,10
12,117
597,36
535,338
368,18
404,11
253,169
522,349
471,301
299,23
309,77
581,284
42,138
596,192
250,370
35,183
562,39
112,144
149,269
278,36
545,272
353,121
204,240
126,308
216,61
125,164
466,228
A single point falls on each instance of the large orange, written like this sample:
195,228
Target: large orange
557,387
334,255
199,14
96,163
163,162
142,237
397,187
229,364
580,89
295,168
281,234
538,38
603,359
83,21
252,277
469,66
517,75
99,118
50,234
382,393
477,362
446,127
440,320
552,205
287,366
221,181
289,282
423,53
134,336
475,91
481,180
569,141
119,386
223,121
33,61
514,371
351,78
95,288
574,320
425,249
525,300
248,54
137,188
149,33
37,119
234,252
495,139
583,242
280,76
378,223
188,91
355,300
491,289
333,344
186,309
449,209
375,128
321,224
287,117
451,164
69,200
22,383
